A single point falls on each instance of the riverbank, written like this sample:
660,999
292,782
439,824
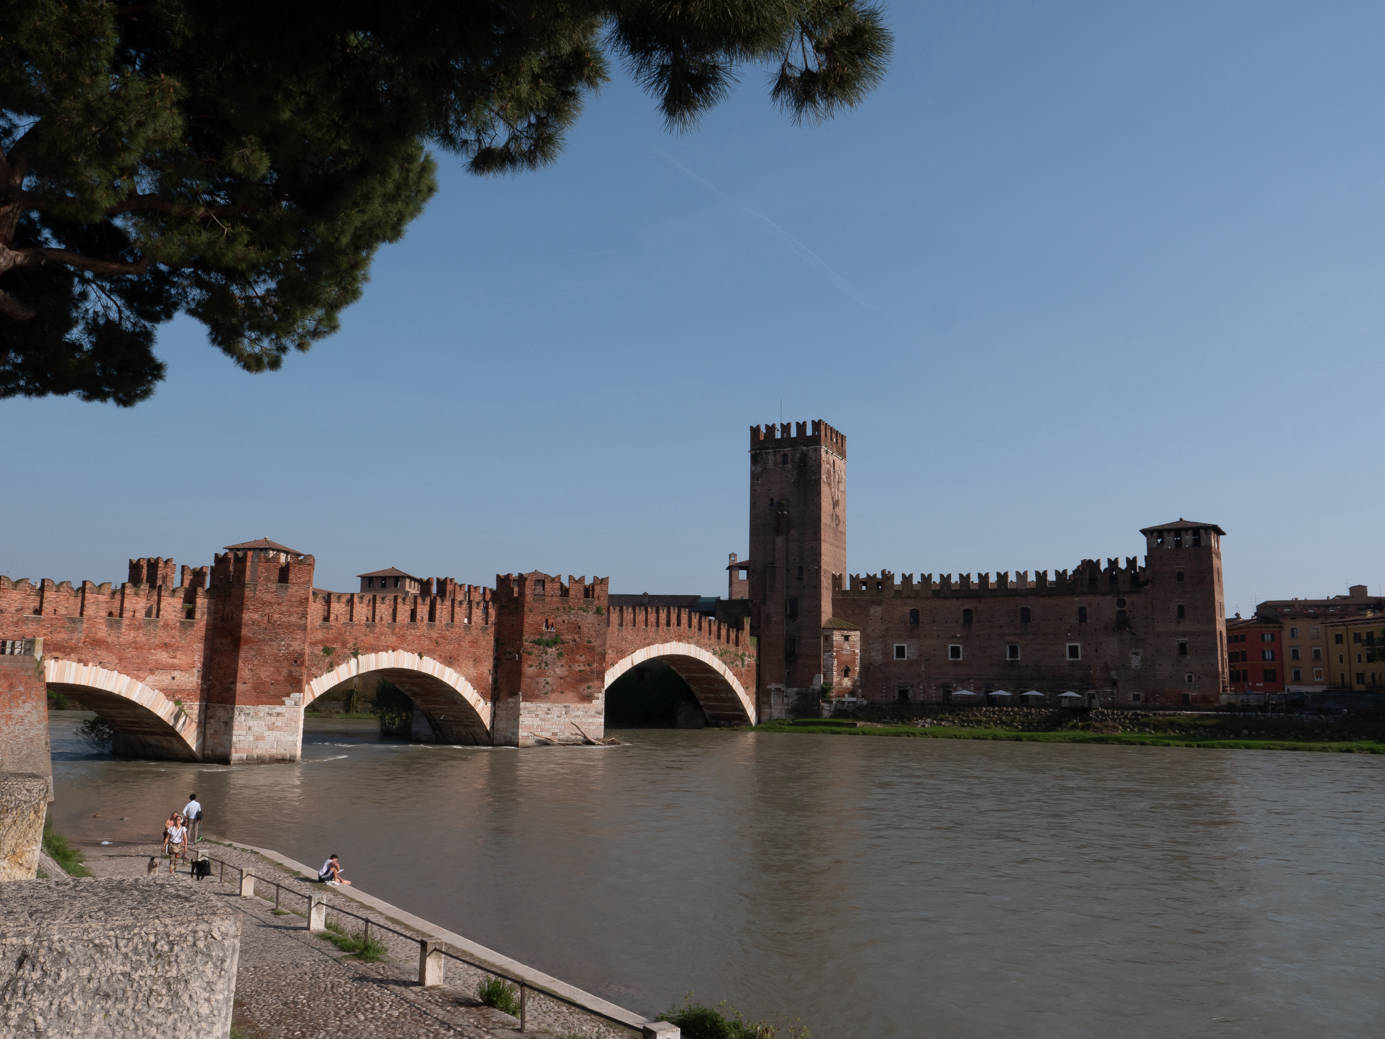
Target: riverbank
1141,729
291,982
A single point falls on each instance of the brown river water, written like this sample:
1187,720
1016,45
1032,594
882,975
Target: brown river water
860,886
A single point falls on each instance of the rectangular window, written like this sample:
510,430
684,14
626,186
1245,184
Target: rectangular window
1293,653
1271,674
902,694
1337,638
913,616
1317,674
1266,636
1180,611
791,607
1317,652
790,648
1082,615
1298,675
1360,678
1012,651
1134,697
1024,615
1182,647
1267,654
800,573
954,651
1355,636
967,616
901,651
1074,651
1293,633
1178,576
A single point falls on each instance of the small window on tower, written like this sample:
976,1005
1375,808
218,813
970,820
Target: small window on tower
954,651
1082,615
1074,651
901,651
1197,538
1025,615
1178,576
913,616
800,573
967,616
1180,611
1012,651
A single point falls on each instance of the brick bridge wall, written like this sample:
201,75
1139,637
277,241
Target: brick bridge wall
220,666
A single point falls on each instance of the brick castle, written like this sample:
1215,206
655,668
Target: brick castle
218,663
1119,634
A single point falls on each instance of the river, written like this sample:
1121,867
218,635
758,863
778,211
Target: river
861,886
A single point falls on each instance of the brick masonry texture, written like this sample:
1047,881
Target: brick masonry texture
24,718
221,666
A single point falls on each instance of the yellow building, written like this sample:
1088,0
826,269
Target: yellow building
1356,652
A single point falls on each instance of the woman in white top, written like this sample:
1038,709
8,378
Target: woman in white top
177,842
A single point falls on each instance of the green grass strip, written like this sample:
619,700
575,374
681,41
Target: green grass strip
1133,739
65,855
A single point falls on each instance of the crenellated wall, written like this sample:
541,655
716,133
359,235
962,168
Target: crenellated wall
1087,576
221,665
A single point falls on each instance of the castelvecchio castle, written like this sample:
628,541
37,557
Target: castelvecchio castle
1119,634
219,663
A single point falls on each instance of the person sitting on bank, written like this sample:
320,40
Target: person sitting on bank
177,842
330,873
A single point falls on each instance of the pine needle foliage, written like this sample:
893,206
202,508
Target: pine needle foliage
242,162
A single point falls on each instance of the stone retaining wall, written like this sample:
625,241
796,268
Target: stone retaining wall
23,804
115,958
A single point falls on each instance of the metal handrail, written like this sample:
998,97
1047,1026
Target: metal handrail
444,948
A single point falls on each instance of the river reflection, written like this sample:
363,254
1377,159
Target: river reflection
867,887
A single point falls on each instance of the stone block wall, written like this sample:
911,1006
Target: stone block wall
23,804
115,958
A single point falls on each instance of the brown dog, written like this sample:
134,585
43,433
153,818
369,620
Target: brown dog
153,866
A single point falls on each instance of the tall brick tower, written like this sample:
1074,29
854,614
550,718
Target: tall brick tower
1186,618
254,664
797,542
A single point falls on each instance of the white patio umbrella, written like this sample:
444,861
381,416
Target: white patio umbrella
963,692
1069,695
1032,692
1000,692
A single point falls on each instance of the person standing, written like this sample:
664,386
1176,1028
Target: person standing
177,843
192,812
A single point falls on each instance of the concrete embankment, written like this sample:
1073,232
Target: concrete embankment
293,982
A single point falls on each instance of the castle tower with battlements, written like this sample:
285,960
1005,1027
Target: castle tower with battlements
1120,633
797,544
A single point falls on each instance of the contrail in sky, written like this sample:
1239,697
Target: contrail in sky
794,244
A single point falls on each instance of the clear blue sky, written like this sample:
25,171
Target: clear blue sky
1074,269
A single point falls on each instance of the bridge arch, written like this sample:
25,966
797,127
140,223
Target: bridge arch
145,720
721,694
459,713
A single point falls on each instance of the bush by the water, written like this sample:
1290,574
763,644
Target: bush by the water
495,993
696,1021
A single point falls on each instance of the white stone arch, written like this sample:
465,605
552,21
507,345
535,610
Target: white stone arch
400,660
708,661
69,672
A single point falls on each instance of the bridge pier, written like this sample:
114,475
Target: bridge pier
237,733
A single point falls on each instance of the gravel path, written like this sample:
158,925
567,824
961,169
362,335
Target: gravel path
292,984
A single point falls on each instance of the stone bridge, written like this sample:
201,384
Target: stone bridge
219,664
